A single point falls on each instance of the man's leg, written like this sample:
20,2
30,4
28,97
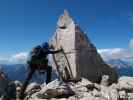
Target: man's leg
26,83
49,74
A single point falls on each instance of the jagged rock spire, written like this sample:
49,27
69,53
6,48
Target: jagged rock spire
81,54
64,20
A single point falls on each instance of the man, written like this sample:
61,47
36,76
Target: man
39,62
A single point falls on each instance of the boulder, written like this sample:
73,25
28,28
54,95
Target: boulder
105,80
80,57
84,82
82,90
105,92
18,83
114,95
125,83
55,89
33,87
130,96
122,95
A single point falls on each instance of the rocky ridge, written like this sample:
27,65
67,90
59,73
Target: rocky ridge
82,90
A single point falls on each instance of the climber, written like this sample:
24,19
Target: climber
39,62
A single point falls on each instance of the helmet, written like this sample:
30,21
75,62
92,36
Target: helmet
45,45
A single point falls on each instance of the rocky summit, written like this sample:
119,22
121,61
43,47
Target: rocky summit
83,74
81,90
81,57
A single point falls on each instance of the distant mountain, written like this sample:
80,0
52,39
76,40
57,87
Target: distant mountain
19,72
14,72
122,67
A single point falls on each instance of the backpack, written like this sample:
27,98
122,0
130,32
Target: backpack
38,58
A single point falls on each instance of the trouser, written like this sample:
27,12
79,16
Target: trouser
49,74
30,74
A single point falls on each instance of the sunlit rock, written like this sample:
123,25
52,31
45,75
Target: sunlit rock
80,57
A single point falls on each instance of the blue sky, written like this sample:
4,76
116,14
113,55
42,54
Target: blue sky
26,23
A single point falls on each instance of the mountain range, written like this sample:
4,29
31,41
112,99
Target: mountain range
19,71
124,68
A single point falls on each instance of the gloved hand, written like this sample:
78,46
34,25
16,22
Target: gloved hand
61,49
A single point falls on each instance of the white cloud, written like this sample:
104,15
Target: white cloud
3,59
117,53
111,53
114,53
14,58
18,58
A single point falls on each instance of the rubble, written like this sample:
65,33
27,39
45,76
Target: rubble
126,83
81,90
57,90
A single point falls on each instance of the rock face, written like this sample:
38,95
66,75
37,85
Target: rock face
82,57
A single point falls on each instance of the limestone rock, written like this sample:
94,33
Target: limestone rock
125,83
64,90
122,95
105,92
84,82
96,93
82,58
57,90
130,96
114,95
105,80
18,83
33,87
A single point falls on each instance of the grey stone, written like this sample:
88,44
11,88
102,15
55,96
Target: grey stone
114,94
130,96
96,93
122,95
82,56
33,87
105,92
84,82
125,83
18,93
60,91
105,80
18,83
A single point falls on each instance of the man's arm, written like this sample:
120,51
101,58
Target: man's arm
53,52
